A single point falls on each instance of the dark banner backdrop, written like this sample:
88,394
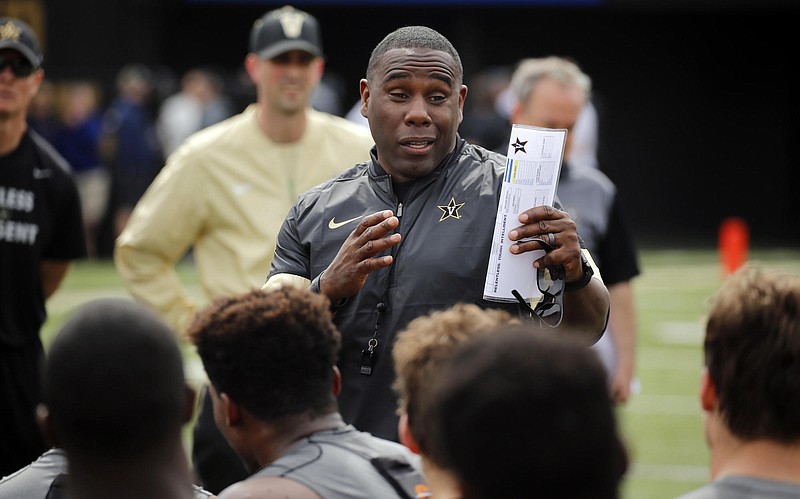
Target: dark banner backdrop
699,113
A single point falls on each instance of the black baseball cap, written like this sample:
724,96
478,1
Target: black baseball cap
281,30
17,35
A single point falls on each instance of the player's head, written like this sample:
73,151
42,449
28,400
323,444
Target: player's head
752,355
419,352
519,415
272,352
113,382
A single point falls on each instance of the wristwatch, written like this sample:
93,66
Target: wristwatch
588,272
314,287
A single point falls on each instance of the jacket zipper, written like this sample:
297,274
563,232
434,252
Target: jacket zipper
368,354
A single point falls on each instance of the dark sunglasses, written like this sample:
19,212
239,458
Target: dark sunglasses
20,66
550,281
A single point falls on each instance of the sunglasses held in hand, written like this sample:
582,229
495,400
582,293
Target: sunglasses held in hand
550,281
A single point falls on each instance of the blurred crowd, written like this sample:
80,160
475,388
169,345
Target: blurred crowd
116,140
118,137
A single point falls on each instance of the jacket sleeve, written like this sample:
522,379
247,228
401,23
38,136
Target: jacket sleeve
291,257
165,223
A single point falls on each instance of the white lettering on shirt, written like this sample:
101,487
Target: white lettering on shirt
16,199
18,232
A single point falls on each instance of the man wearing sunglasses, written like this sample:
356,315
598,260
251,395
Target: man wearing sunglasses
41,231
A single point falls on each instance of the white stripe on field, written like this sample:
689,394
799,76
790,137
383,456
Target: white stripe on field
670,358
669,472
674,405
681,333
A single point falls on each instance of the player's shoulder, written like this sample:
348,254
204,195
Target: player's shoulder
268,487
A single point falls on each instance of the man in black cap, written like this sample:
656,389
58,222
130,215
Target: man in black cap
41,230
225,191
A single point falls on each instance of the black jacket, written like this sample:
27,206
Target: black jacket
447,223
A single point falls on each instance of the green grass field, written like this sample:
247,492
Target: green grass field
662,424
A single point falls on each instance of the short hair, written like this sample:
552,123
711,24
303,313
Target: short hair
412,37
272,352
752,352
113,381
522,415
530,71
419,352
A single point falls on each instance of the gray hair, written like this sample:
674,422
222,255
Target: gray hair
530,71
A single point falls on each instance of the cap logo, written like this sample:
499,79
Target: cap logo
291,22
10,31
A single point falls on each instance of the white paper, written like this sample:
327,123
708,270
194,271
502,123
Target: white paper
531,177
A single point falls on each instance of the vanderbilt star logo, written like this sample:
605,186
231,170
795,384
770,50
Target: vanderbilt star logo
10,31
450,210
291,21
333,224
519,146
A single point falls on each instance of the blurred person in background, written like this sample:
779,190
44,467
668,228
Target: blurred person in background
551,92
129,145
226,190
41,232
78,140
750,387
200,102
42,112
483,124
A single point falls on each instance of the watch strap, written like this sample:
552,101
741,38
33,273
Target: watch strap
588,272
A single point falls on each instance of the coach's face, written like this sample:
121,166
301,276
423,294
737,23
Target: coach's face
414,102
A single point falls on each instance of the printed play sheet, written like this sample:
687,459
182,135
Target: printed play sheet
532,170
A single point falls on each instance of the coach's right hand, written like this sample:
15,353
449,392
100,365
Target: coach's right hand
348,271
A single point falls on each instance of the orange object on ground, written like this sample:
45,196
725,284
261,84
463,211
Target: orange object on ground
734,242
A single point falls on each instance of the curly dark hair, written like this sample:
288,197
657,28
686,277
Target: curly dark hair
272,352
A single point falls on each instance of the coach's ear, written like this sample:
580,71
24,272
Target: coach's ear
46,424
404,432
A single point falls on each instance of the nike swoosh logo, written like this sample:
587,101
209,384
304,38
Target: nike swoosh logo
38,173
333,224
